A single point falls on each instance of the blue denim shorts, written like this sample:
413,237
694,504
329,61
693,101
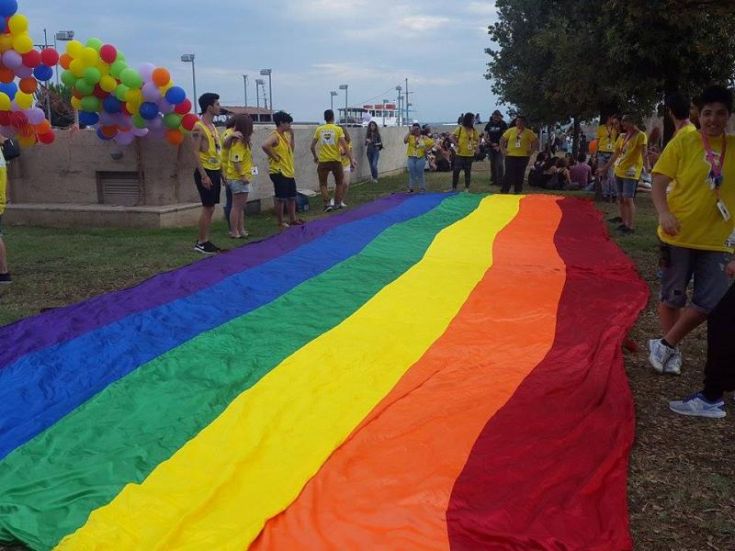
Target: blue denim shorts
238,186
626,187
679,265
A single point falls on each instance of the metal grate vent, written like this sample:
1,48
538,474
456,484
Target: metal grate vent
118,188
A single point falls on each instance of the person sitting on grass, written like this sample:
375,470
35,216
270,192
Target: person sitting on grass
279,148
695,224
5,278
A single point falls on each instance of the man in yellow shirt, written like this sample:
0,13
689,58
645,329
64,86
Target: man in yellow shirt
629,159
5,278
678,108
695,225
607,135
517,145
279,148
467,142
331,141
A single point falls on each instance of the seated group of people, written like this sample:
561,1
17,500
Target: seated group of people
561,173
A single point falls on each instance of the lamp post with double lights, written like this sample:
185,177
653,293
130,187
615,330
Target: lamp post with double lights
245,88
267,72
189,58
399,89
344,87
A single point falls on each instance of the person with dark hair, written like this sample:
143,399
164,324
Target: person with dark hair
467,141
239,170
494,130
517,145
374,145
607,136
580,175
629,160
279,148
695,226
5,278
417,147
678,106
331,141
208,171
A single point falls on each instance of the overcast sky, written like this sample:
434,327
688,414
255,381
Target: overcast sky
312,47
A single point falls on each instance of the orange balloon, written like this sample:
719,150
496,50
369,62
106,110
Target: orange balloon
43,127
65,60
161,77
109,131
6,75
593,146
174,137
27,131
28,85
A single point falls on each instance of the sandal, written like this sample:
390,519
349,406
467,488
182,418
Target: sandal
297,222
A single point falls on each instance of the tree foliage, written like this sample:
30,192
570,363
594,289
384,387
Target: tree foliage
574,58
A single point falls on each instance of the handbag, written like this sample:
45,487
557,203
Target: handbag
11,149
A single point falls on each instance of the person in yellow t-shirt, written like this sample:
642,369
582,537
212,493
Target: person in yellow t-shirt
518,144
238,161
467,143
347,161
678,108
330,139
5,278
607,135
417,146
279,148
628,162
695,225
208,171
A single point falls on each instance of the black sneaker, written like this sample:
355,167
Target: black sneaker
615,220
5,279
206,248
328,208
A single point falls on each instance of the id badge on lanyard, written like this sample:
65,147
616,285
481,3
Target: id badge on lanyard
714,179
519,142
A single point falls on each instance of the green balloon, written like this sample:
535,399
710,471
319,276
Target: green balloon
118,67
138,121
131,78
92,75
121,57
172,120
95,43
84,87
91,104
68,78
121,92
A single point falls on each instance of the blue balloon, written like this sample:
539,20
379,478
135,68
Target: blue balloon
101,136
8,7
149,110
10,88
43,72
112,105
88,119
175,95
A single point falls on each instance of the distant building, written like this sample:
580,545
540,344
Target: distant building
258,114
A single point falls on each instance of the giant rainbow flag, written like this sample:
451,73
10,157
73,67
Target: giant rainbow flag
424,372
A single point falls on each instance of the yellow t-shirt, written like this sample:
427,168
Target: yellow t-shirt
418,148
210,158
686,129
519,143
345,158
284,150
3,184
327,138
606,138
469,141
239,152
691,199
629,163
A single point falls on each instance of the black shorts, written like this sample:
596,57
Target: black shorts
284,186
209,197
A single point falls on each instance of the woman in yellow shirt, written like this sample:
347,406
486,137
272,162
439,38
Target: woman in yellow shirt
467,141
607,135
517,144
238,172
418,146
347,167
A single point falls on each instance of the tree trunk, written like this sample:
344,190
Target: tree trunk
575,137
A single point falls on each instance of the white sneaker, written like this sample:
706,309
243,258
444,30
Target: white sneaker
343,205
697,406
331,203
661,357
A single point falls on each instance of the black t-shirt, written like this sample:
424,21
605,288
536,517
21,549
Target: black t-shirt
495,130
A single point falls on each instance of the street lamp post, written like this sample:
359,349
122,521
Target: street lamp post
189,58
245,88
385,102
332,94
61,36
258,83
344,87
399,89
267,72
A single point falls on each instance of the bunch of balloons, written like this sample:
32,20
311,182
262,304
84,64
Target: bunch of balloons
122,102
20,61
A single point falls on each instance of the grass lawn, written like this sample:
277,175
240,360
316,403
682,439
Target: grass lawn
682,476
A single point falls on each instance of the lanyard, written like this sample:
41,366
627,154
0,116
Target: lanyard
628,137
715,166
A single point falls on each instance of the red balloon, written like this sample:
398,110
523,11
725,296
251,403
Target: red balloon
189,121
49,57
108,53
18,119
4,118
32,59
99,92
47,138
184,107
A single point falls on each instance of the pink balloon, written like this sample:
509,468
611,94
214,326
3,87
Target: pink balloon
140,132
125,138
155,123
151,92
9,131
12,59
107,119
23,71
35,115
165,107
146,71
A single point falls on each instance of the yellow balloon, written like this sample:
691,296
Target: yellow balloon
6,42
166,88
132,107
23,100
77,68
22,43
27,141
18,24
90,56
108,83
4,102
74,48
134,96
103,68
76,103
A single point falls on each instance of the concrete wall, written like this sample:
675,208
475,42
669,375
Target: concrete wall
66,171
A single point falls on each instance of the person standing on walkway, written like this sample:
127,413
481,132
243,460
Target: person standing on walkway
331,141
279,148
695,226
494,130
467,141
517,145
417,146
208,171
374,145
